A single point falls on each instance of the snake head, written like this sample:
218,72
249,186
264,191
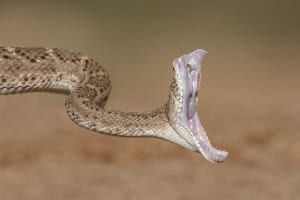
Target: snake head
183,115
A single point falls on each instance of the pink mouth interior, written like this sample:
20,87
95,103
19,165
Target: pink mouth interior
189,68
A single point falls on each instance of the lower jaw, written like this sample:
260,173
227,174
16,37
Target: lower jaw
202,142
197,129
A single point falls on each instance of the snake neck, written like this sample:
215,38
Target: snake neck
117,123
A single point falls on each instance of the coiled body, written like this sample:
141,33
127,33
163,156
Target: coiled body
87,85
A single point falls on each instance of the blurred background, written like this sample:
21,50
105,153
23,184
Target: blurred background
249,100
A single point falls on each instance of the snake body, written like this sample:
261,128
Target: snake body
87,86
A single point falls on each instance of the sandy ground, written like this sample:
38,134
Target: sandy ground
249,103
45,156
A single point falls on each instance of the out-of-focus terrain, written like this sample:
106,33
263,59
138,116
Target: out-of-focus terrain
249,101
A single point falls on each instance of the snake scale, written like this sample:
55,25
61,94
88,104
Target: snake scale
87,86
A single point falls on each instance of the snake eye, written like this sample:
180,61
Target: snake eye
190,68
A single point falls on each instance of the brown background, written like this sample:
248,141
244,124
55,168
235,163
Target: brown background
249,101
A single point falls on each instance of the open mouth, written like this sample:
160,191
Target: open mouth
189,69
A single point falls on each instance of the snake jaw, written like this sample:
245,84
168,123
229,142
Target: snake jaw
188,72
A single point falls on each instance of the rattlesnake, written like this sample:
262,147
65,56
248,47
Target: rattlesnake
88,86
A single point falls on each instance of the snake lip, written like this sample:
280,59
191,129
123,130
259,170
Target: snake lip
189,69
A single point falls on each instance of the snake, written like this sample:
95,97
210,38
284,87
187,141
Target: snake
87,86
